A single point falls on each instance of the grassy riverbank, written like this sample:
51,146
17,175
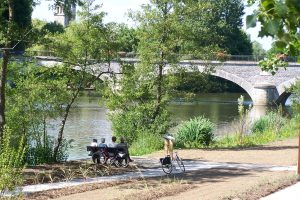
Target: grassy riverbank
270,134
272,131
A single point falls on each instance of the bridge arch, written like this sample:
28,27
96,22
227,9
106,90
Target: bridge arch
282,90
235,79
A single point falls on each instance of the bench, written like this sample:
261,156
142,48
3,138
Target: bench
105,153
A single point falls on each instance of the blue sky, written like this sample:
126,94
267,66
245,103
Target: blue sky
116,11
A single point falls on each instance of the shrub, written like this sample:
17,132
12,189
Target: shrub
11,163
260,125
42,152
196,132
273,120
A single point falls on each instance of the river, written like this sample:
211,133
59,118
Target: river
88,118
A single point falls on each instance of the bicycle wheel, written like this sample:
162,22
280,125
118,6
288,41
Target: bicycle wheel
180,163
167,167
102,159
123,162
113,162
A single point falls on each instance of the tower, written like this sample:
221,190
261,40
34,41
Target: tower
62,18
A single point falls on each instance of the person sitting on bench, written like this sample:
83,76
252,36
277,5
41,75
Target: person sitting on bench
113,142
102,144
123,145
104,150
94,143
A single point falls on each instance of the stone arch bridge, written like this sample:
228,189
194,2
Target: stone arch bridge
263,88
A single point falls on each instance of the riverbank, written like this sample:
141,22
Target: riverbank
207,183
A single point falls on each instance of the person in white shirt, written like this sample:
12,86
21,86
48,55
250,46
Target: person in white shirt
94,143
113,142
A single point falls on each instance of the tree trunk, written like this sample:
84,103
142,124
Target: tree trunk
62,126
5,61
298,171
160,67
2,91
159,91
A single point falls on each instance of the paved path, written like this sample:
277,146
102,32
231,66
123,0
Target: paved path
289,193
191,165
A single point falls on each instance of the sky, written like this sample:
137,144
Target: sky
116,12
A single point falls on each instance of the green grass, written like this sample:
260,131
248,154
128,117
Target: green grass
289,130
145,144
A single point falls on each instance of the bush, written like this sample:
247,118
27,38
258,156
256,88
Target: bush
273,120
146,143
43,152
11,163
196,132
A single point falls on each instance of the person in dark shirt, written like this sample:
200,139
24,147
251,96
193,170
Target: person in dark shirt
124,146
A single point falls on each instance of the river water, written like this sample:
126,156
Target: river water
88,119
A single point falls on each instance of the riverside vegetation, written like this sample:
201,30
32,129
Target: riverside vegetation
198,133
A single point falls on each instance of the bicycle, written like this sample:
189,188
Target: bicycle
168,164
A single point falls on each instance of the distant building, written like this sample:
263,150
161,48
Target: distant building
63,19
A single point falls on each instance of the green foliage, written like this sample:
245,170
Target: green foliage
132,108
258,50
273,121
41,34
11,162
207,32
278,20
83,44
288,130
197,132
273,63
36,95
146,143
124,37
53,27
20,24
84,40
43,150
138,103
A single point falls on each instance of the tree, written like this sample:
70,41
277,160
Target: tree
258,50
40,36
35,94
126,37
15,17
139,104
82,46
214,26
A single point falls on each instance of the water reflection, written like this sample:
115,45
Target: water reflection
220,108
86,121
